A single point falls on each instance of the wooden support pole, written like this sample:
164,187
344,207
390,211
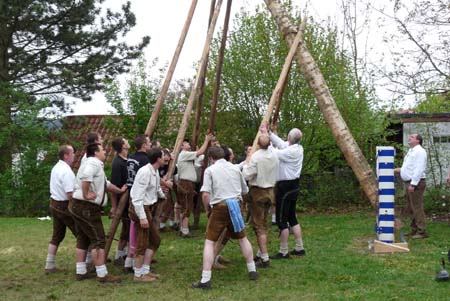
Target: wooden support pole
163,94
281,82
194,92
115,222
199,108
212,117
276,112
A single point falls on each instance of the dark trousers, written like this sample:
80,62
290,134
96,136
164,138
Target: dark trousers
286,198
414,206
62,219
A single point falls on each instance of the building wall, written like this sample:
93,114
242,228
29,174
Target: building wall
436,141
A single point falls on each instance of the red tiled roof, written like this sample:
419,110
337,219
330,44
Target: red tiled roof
77,127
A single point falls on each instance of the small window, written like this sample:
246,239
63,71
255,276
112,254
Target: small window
441,139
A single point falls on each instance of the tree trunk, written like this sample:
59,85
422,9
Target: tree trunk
340,130
5,101
162,95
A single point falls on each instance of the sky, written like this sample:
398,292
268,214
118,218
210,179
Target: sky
163,22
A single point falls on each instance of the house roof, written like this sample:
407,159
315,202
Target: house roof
77,127
421,117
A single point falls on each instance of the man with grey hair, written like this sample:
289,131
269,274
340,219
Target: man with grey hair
290,156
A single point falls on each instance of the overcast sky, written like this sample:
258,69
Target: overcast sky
163,22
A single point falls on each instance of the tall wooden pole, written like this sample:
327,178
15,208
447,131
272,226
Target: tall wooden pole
163,94
325,100
276,112
199,108
212,117
194,91
115,222
281,82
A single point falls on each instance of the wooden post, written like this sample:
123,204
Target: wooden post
344,139
198,110
188,110
276,112
212,118
281,82
115,222
162,95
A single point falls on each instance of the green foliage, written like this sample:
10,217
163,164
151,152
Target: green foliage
24,186
135,104
253,62
434,104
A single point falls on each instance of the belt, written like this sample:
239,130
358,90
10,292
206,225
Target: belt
282,181
422,179
53,200
222,203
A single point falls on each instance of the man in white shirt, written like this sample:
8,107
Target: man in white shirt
62,182
145,193
261,173
412,173
290,156
91,138
187,177
88,200
223,186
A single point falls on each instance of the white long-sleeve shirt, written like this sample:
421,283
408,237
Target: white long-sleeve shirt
262,169
146,189
223,180
414,165
290,157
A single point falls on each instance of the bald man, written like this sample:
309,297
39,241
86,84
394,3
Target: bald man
290,156
261,174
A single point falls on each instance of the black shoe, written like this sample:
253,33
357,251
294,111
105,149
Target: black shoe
279,256
189,235
262,264
203,286
298,253
256,258
253,275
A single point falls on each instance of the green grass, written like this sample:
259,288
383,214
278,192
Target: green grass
338,266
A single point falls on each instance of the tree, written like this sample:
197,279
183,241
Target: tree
421,62
55,48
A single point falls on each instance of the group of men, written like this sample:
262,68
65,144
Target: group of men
270,176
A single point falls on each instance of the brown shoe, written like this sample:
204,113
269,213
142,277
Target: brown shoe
144,278
153,274
223,260
419,236
109,279
53,270
189,235
218,266
81,277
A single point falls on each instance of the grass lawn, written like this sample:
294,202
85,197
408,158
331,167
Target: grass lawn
338,266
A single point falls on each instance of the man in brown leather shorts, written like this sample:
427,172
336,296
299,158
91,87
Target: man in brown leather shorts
223,186
62,182
187,178
145,193
261,173
88,200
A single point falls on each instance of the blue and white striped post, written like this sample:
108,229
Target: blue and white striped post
386,193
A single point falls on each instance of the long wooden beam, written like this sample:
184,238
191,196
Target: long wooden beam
281,82
163,94
199,106
194,91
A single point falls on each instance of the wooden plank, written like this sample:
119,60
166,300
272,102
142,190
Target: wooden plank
382,247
